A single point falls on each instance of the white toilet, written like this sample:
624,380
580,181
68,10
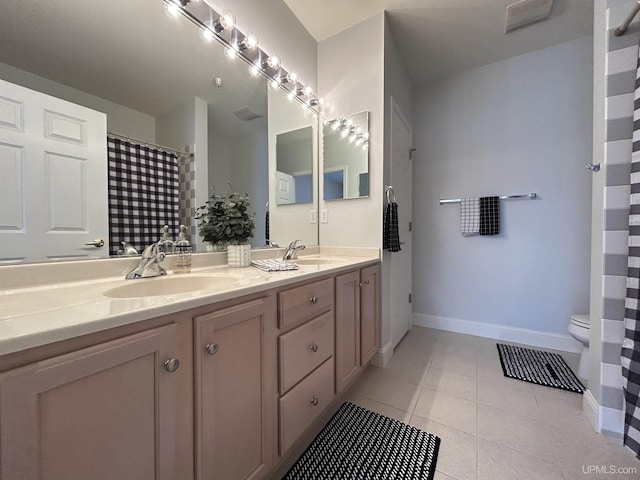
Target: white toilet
579,329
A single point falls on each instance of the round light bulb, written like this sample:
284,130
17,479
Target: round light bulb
254,69
275,83
274,61
307,90
336,124
292,77
231,52
206,34
173,10
291,96
251,41
344,133
227,19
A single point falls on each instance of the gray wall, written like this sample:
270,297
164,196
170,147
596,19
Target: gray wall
516,126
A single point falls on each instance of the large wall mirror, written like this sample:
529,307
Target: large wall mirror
159,83
346,157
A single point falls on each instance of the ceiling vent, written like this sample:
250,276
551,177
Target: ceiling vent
246,114
526,12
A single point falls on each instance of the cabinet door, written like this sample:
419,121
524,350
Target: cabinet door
369,312
347,329
234,378
100,413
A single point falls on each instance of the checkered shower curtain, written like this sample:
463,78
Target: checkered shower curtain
631,343
143,194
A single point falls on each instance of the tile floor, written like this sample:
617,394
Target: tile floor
492,427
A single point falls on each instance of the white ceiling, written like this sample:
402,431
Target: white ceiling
437,38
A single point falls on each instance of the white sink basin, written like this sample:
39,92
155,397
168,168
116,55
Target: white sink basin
317,261
168,286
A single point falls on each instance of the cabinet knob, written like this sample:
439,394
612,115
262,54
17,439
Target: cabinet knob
172,365
366,282
314,401
212,348
313,347
314,300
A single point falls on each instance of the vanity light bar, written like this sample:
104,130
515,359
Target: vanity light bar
238,45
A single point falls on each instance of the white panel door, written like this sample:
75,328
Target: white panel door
53,185
285,188
400,262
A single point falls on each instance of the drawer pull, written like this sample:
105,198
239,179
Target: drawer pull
212,348
313,347
314,401
366,282
314,300
172,365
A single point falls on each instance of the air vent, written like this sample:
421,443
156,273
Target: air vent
526,12
246,114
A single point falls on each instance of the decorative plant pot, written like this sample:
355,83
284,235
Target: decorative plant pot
238,255
216,247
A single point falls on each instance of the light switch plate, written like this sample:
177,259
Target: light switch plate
313,216
324,215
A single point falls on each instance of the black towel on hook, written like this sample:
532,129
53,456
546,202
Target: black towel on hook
390,234
489,215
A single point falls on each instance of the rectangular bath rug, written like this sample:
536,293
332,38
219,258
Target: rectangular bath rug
358,444
536,366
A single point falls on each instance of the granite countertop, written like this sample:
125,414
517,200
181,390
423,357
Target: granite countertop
32,315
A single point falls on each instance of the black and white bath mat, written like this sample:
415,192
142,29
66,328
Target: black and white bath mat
358,444
536,366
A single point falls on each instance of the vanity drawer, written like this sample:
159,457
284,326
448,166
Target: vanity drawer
303,303
304,403
301,350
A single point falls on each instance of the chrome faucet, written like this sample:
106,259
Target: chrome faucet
292,250
149,265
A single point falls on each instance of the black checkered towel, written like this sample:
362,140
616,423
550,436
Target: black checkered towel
390,234
489,215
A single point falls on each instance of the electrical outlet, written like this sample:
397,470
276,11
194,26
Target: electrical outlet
313,216
324,215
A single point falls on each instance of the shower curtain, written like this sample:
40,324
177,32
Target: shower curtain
143,194
631,344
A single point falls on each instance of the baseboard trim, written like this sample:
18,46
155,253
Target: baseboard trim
382,357
536,338
591,409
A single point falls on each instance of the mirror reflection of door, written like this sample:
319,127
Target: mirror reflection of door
294,166
346,157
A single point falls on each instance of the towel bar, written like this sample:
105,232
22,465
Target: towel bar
529,196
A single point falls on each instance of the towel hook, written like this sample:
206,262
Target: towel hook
389,191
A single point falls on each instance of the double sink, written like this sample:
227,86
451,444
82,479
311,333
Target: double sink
169,285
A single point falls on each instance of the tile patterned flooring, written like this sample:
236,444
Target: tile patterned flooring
492,427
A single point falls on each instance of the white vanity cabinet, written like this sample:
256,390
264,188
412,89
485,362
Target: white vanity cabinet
102,412
234,391
230,390
305,357
357,322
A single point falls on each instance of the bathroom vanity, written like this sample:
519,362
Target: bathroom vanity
229,382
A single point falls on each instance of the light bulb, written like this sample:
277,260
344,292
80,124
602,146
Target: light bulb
254,69
231,52
291,96
359,140
227,19
344,133
275,83
251,41
307,90
206,34
274,61
336,124
173,10
292,77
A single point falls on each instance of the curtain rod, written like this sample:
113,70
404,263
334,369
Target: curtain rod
530,196
623,27
147,144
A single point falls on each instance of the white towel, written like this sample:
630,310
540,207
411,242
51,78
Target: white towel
470,216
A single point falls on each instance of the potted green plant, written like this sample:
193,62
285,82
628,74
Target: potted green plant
224,220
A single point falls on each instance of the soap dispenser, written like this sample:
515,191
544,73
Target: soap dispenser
182,256
165,244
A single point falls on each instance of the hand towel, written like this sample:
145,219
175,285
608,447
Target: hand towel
470,216
489,215
390,234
